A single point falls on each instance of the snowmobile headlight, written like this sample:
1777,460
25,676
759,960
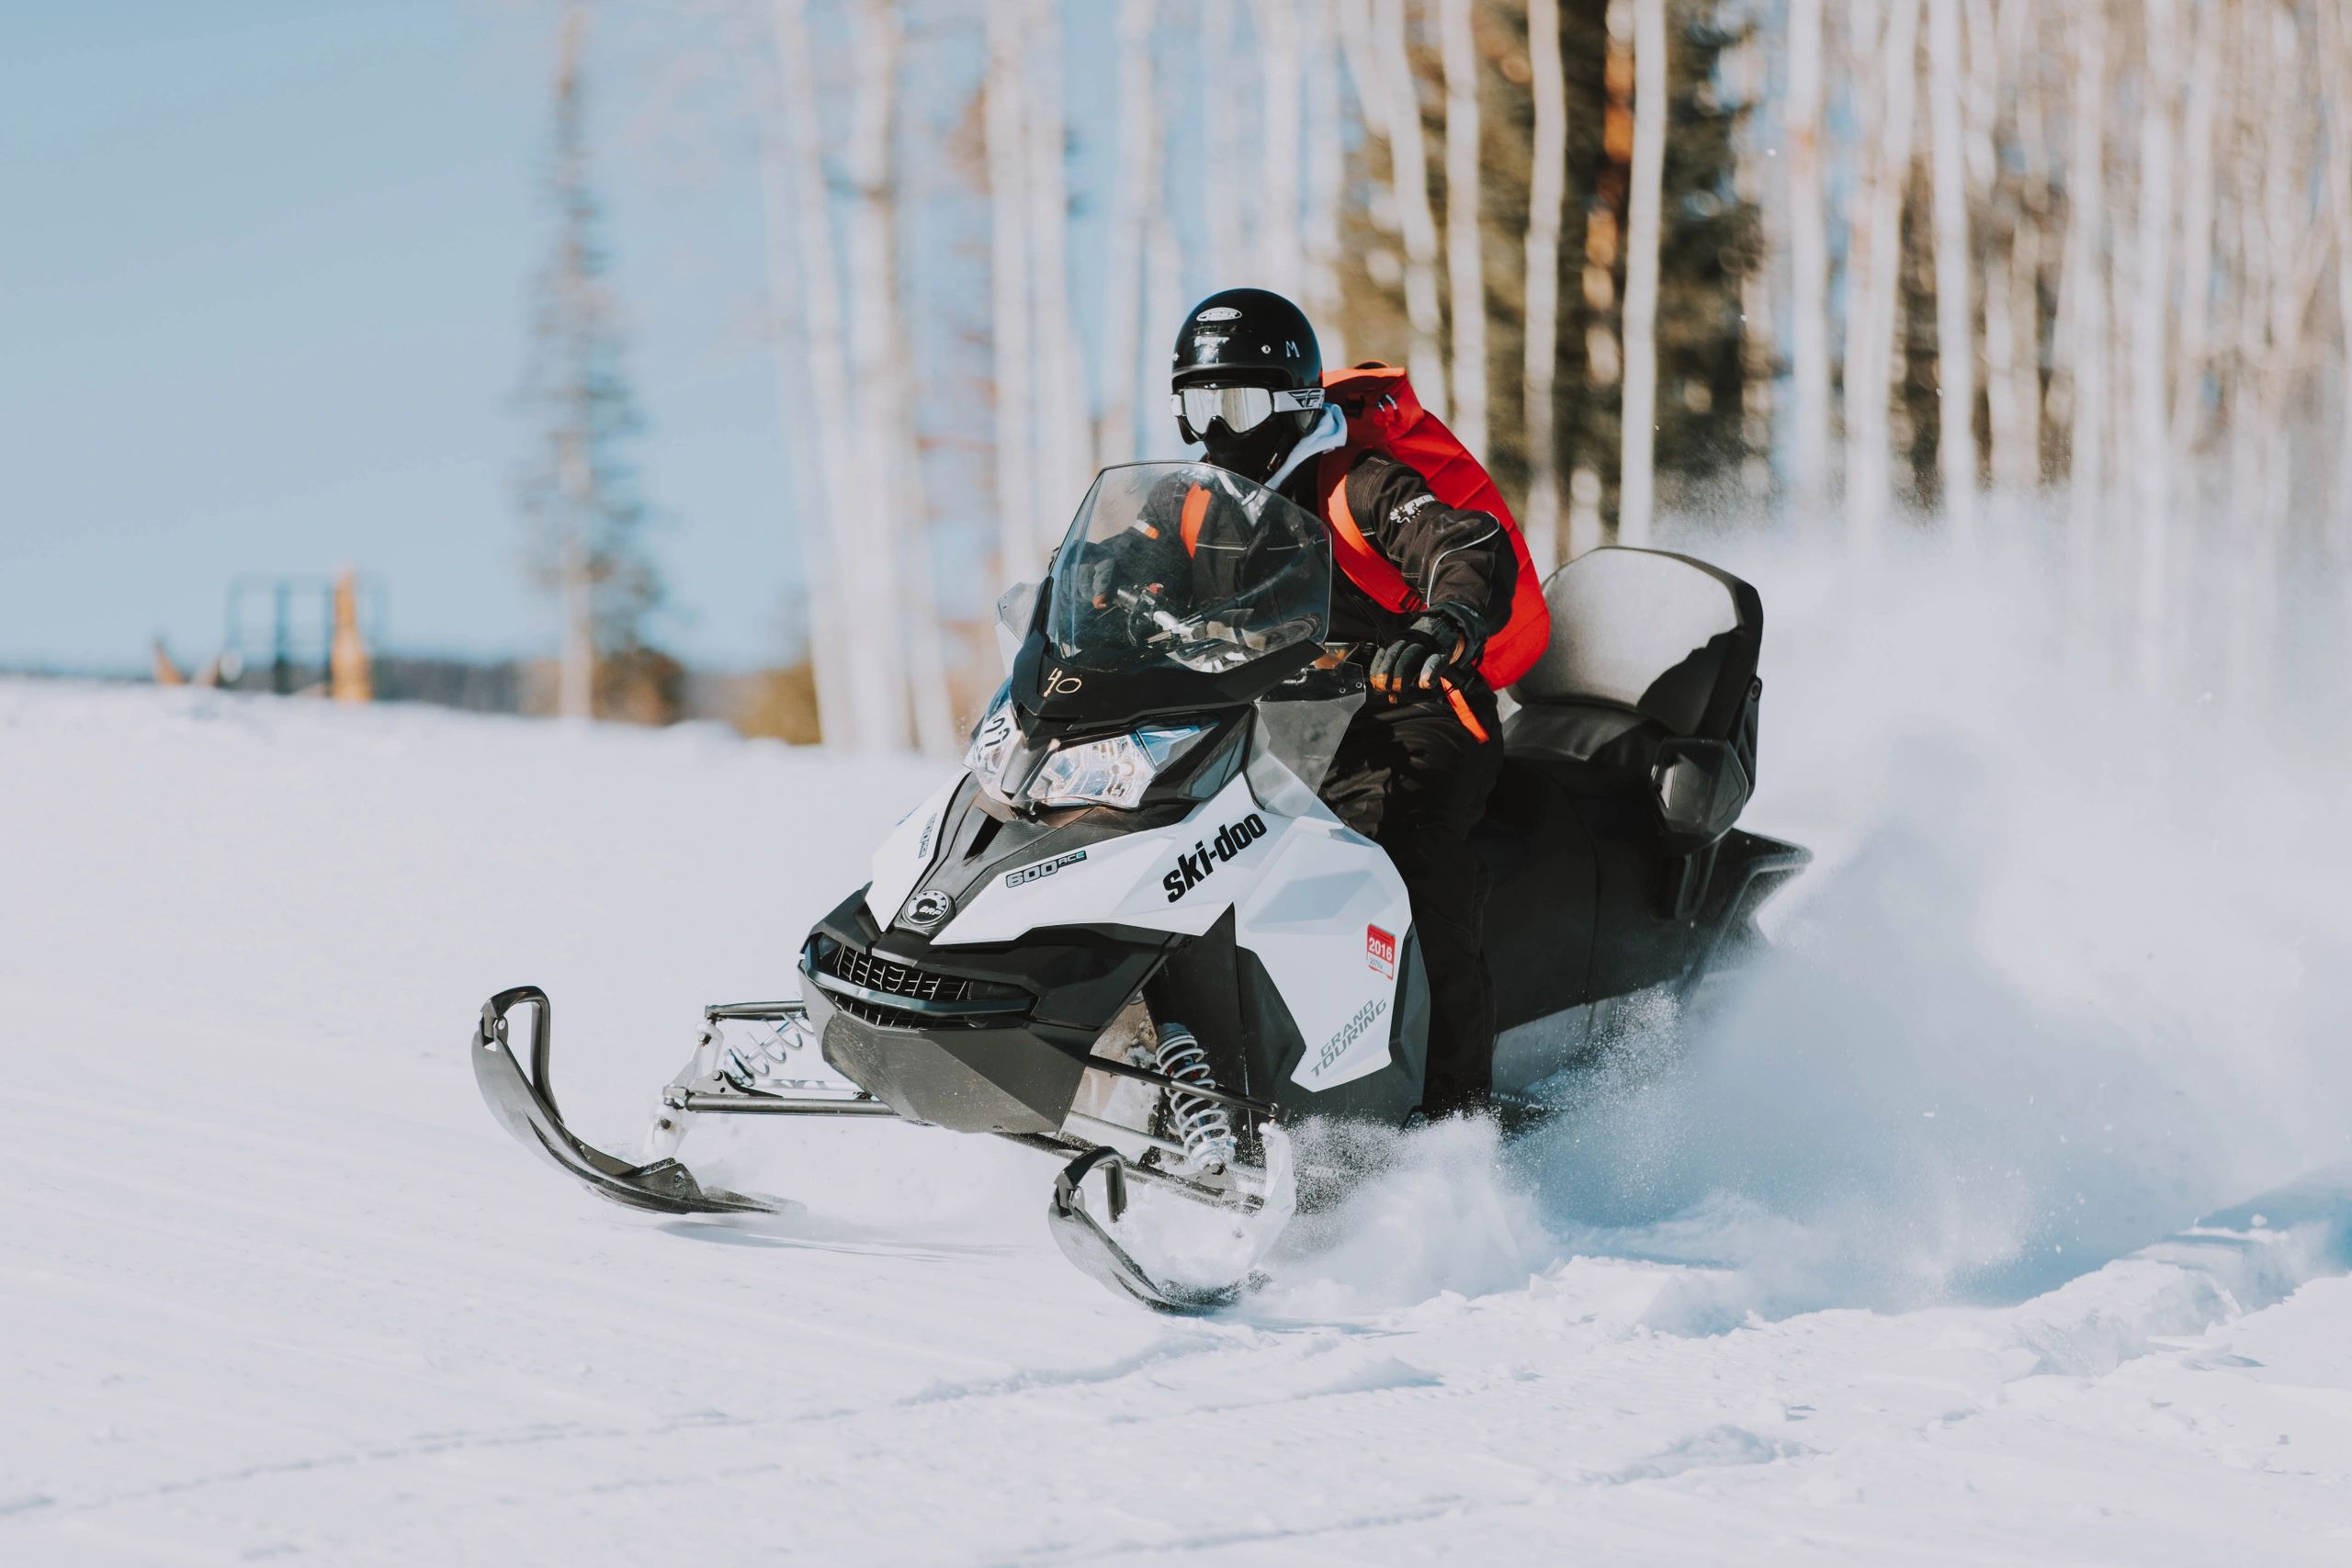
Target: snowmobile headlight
1115,771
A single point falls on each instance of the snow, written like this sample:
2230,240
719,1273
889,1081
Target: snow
2004,1216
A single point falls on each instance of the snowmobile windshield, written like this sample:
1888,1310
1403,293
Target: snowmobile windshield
1186,565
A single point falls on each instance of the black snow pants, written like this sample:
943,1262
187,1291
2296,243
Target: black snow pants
1412,777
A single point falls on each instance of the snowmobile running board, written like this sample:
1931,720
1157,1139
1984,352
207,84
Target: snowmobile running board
524,1102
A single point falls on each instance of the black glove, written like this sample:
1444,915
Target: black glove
1443,644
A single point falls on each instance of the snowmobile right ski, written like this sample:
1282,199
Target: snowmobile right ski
1084,1241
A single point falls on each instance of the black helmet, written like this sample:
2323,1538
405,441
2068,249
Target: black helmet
1247,340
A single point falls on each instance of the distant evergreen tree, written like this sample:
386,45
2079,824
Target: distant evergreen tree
580,488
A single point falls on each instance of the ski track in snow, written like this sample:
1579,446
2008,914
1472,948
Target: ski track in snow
2004,1216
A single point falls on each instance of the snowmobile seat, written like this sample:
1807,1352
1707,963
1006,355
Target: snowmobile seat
1648,649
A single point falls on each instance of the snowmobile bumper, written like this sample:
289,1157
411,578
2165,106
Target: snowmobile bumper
524,1103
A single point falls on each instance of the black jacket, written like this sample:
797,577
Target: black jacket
1449,555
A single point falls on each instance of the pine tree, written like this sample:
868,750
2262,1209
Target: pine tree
579,490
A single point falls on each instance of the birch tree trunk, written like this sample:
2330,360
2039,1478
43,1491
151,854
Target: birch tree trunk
2086,300
879,610
1465,268
2018,432
1872,270
1808,265
1163,273
1005,132
1283,71
1062,469
849,723
1547,197
1637,482
1325,180
801,420
2335,54
2151,312
1955,317
2206,51
1221,127
1409,177
2014,360
1123,253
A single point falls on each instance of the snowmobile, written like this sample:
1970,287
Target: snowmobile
1128,933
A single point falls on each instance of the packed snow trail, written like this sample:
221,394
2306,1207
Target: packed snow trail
1897,1259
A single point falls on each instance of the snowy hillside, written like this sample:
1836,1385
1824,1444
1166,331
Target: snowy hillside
2006,1216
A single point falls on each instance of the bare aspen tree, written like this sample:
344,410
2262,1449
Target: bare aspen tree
1368,75
806,423
1223,201
2013,284
2192,363
1637,482
2151,315
1409,178
1163,273
1808,264
2335,57
1122,252
1990,61
1006,133
850,723
1281,69
936,729
2086,295
1547,198
1874,268
1955,314
1326,179
877,580
1063,449
1465,268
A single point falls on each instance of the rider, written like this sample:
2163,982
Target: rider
1412,773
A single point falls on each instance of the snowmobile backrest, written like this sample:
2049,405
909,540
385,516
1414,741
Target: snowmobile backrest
1644,634
1649,685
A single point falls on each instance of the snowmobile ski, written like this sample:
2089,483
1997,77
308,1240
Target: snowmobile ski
1097,1253
525,1104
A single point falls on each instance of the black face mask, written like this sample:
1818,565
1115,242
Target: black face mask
1255,454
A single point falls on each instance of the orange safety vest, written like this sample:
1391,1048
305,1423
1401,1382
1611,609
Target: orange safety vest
1384,416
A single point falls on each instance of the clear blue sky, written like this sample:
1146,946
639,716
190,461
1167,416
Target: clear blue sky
263,266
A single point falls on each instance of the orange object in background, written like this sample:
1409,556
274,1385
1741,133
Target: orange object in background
348,680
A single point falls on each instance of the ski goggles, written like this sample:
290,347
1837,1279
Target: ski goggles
1243,409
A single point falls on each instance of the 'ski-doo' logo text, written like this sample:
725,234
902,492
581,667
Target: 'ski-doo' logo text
1042,868
1350,1033
1194,869
1061,683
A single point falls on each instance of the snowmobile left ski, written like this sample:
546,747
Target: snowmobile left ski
1129,934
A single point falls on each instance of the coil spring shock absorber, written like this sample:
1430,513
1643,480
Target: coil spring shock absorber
749,1063
1205,1127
